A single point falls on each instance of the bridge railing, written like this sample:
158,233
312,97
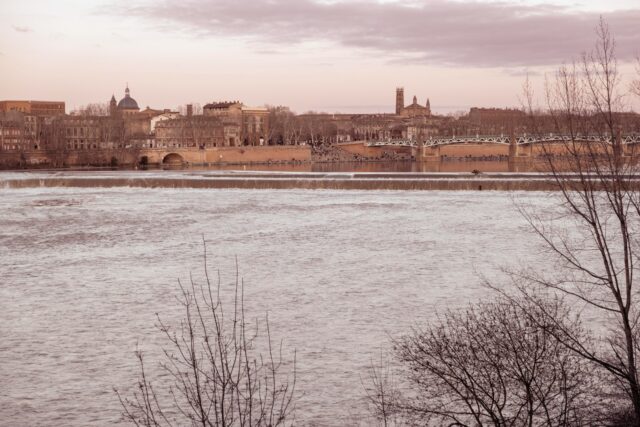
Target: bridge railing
528,139
392,142
492,139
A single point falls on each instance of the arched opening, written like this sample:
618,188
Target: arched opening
172,159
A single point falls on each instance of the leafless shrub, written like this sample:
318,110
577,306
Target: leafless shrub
215,375
382,393
490,364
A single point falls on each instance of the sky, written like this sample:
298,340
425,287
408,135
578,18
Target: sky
311,55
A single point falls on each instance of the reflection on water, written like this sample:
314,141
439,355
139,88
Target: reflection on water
445,165
390,166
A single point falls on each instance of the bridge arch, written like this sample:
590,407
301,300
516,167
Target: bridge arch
172,159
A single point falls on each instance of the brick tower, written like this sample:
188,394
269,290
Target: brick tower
399,99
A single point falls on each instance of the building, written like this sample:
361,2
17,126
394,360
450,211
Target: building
169,115
12,132
231,109
20,131
412,110
23,121
137,123
196,131
36,108
494,121
127,105
253,121
489,116
87,133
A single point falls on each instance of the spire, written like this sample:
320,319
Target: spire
126,91
415,100
428,103
112,105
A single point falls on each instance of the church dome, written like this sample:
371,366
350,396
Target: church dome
128,103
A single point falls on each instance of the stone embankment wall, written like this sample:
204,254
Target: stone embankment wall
385,152
233,155
60,159
267,154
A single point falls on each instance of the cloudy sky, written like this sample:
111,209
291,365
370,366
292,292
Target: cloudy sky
323,55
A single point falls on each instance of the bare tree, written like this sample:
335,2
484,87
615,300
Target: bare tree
94,109
635,85
216,375
593,234
54,141
490,365
282,126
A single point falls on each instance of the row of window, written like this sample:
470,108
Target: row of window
87,145
12,147
81,131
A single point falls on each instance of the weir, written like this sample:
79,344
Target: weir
310,181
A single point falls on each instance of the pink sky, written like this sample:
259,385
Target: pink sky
339,55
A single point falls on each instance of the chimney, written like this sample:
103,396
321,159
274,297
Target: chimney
189,110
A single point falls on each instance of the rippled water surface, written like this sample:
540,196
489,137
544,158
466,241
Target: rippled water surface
84,270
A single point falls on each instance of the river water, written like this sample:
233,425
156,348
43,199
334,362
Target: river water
339,272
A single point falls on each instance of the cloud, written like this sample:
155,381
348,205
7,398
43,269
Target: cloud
440,32
22,29
522,72
268,52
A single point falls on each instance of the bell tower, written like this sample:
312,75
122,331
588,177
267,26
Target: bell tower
399,100
113,107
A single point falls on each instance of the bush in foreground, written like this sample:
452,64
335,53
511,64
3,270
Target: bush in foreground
490,364
213,373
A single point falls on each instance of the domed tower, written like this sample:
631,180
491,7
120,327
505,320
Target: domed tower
113,106
128,105
428,107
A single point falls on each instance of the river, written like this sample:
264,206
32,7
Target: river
84,270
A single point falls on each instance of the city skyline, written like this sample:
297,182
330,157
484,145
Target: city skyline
308,55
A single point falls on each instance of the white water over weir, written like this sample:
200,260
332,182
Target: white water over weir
284,180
